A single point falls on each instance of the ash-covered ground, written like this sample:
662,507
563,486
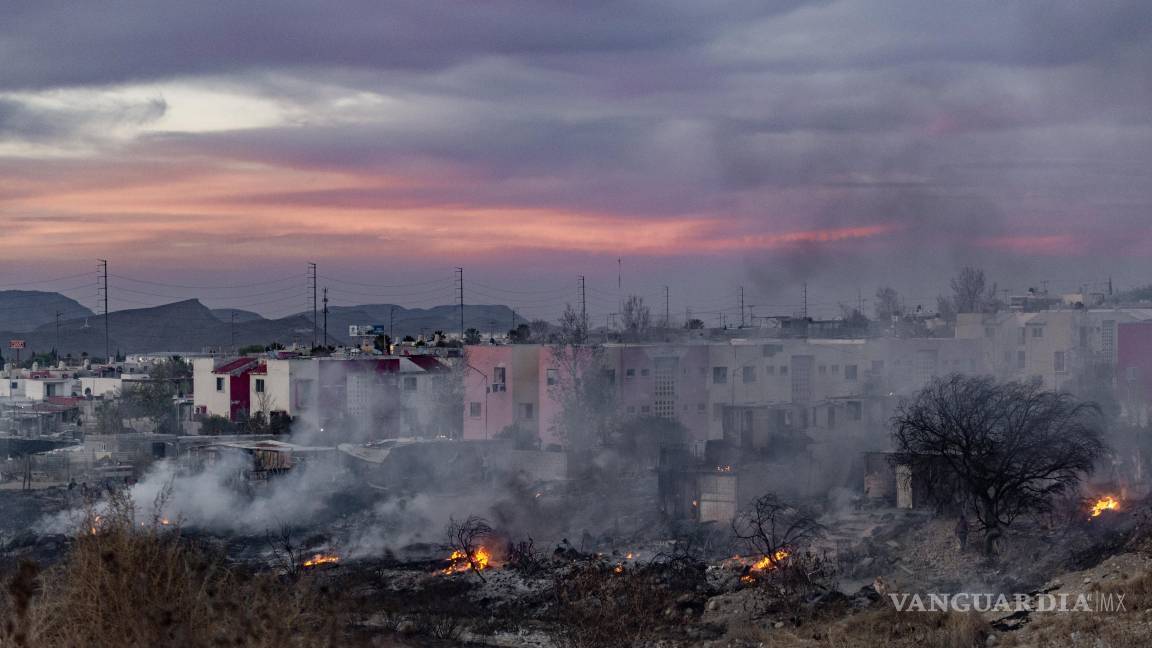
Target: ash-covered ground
579,564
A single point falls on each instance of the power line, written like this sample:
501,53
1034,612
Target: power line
43,281
212,287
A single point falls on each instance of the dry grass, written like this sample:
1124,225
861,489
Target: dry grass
1130,628
123,584
879,627
598,607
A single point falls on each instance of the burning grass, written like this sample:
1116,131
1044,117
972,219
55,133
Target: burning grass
1106,503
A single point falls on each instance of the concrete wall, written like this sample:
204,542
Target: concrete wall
204,392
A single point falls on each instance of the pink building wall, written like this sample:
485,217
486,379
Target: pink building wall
1134,363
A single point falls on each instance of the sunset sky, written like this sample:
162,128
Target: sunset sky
212,149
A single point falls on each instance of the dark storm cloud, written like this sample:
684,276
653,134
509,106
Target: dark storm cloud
965,128
67,43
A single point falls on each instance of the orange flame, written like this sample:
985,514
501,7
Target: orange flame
767,563
1106,503
458,562
321,559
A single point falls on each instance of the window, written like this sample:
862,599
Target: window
1058,361
1020,359
259,385
769,350
527,411
631,409
835,368
1133,374
1037,331
629,375
855,411
610,376
1022,334
823,369
499,379
749,375
409,383
719,375
770,370
718,411
831,416
701,407
645,409
989,331
849,372
474,409
643,373
551,373
219,384
783,370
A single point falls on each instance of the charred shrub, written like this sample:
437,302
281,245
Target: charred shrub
597,604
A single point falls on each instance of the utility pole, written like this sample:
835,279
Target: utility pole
620,284
104,292
232,331
741,306
460,272
58,314
583,306
391,321
667,309
325,316
804,313
315,318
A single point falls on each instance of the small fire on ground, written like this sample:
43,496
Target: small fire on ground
321,559
458,562
752,568
1106,503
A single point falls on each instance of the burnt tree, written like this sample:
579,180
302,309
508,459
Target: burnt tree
998,449
467,537
775,529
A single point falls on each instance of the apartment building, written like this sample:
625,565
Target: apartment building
823,384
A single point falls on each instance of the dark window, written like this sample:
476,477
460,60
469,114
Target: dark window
259,385
749,375
854,411
474,409
849,372
719,375
219,384
409,383
551,373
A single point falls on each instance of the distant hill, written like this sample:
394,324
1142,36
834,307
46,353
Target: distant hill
184,326
225,315
24,310
191,327
417,321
